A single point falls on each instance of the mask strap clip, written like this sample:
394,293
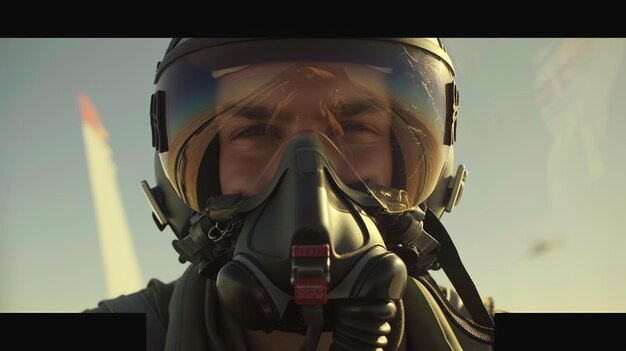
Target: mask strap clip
407,238
216,233
223,208
207,242
193,247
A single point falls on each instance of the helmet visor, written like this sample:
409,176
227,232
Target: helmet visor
381,120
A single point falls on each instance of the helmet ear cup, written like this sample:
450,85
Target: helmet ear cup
246,300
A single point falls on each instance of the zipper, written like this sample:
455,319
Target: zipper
476,331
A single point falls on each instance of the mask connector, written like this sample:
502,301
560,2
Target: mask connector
310,274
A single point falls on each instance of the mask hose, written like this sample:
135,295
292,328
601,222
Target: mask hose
314,318
362,324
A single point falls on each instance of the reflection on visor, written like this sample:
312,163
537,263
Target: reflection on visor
378,125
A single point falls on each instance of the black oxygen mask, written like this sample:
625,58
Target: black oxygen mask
306,239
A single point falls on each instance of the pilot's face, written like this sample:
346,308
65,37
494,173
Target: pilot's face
343,105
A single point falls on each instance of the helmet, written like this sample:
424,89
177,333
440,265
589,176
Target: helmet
190,112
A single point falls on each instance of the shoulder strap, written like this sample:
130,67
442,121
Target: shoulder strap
137,303
481,327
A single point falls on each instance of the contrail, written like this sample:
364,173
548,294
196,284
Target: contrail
118,253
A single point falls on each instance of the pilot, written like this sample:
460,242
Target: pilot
305,180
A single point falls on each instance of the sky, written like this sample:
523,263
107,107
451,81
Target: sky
541,132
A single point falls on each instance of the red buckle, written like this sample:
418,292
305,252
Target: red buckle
309,251
310,291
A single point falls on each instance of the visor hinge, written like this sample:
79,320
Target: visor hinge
452,110
157,121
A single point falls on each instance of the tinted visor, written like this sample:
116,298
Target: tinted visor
379,109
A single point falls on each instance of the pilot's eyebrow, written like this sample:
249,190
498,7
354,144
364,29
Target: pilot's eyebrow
256,112
354,108
349,109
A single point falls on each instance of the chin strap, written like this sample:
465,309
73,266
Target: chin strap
481,327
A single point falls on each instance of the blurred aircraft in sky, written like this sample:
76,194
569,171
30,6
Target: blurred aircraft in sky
542,247
119,258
